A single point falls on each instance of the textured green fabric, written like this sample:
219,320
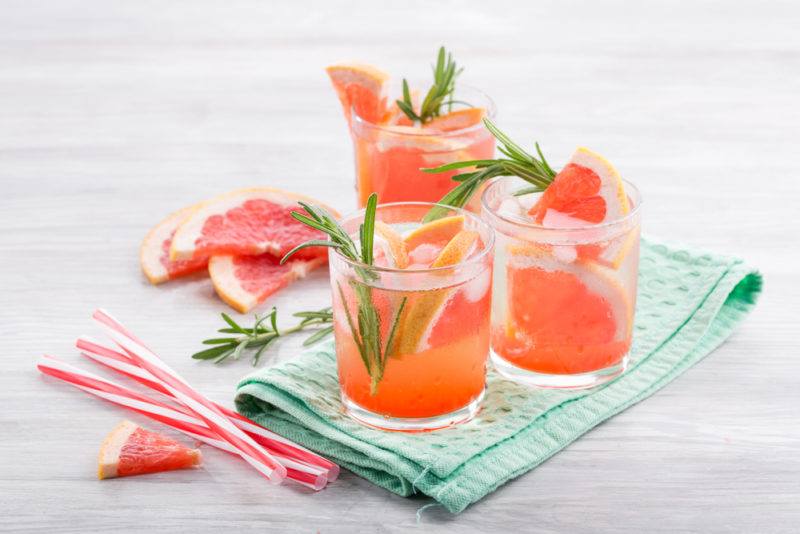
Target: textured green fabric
687,304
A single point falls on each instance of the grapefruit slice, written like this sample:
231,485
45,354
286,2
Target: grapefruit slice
361,89
438,232
246,222
563,317
246,281
132,450
392,242
424,307
588,189
154,252
457,120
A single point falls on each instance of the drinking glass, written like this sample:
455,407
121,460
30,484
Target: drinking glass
426,367
389,158
564,298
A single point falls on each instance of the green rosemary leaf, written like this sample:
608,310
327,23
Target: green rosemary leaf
219,341
224,356
368,229
210,354
239,349
263,333
318,335
439,96
393,328
459,165
518,162
312,243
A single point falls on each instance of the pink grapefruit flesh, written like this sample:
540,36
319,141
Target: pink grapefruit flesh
246,281
246,222
132,450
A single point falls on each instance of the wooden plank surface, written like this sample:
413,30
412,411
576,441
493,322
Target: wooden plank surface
113,114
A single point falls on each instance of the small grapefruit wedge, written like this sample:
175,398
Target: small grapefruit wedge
423,310
457,120
588,189
438,232
246,222
395,246
132,450
361,89
154,252
246,281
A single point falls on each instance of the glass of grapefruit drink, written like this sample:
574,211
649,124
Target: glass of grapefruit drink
412,326
565,275
395,136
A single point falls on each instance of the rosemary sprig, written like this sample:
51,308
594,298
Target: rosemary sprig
440,94
262,334
518,162
365,326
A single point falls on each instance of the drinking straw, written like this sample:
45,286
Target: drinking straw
310,476
245,446
274,443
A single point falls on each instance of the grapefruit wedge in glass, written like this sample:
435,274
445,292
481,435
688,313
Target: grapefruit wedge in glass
132,450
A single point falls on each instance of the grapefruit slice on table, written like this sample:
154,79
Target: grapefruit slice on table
246,281
132,450
423,308
246,222
154,252
361,89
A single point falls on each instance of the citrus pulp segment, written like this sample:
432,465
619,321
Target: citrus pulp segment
588,188
395,245
361,89
457,120
132,450
424,308
246,281
563,318
154,251
246,222
438,232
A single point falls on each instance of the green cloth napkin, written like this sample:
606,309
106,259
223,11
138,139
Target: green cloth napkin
688,303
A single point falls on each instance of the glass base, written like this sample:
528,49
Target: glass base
546,380
411,424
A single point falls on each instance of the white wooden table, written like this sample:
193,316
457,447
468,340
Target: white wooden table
113,114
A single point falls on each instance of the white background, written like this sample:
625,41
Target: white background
114,114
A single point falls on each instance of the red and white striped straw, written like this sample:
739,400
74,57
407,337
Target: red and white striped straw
245,446
311,476
274,443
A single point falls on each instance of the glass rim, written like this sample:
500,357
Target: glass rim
460,211
491,113
630,189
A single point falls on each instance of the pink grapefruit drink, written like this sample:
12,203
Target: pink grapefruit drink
566,268
396,135
430,289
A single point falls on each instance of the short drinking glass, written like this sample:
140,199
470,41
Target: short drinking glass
564,298
412,330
